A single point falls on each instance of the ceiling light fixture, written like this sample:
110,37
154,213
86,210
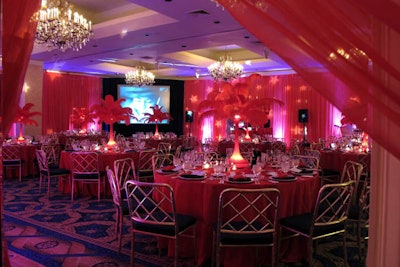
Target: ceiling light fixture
225,69
60,27
139,77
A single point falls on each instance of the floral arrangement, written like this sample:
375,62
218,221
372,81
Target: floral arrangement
157,116
24,116
233,101
110,112
81,117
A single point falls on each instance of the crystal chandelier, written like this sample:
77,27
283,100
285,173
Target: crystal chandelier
225,69
139,77
60,27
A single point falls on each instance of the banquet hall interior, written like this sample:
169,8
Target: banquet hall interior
311,75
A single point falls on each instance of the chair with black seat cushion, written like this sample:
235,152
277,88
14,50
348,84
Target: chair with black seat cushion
85,169
152,212
328,219
247,218
359,216
52,159
144,170
45,172
121,206
12,158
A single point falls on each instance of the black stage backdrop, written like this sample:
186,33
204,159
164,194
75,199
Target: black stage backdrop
110,87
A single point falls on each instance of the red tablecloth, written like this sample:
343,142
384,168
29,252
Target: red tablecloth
105,159
335,160
200,199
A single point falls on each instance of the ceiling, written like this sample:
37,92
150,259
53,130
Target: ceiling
174,39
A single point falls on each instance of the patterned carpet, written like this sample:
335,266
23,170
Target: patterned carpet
42,231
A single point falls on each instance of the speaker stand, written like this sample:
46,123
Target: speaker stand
305,143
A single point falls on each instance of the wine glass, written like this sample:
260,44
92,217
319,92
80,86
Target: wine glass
285,166
256,168
186,166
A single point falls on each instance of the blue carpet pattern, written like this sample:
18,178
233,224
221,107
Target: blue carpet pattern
53,231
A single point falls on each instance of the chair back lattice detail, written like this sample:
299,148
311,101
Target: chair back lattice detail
278,146
50,154
12,158
333,204
124,169
257,209
161,160
42,160
85,162
144,169
352,172
248,215
11,153
143,207
308,161
365,161
85,168
164,148
312,153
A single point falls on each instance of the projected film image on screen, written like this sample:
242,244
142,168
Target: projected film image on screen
140,99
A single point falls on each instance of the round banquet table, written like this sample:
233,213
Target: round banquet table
200,199
105,159
335,160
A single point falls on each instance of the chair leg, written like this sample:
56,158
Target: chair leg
344,249
72,190
48,185
133,249
310,252
176,252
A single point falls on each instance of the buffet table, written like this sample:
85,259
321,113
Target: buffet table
199,198
105,159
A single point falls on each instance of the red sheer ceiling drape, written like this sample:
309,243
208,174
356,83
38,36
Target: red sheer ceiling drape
338,37
61,93
18,32
291,89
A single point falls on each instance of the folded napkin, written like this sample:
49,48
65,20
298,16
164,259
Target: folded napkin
169,168
193,174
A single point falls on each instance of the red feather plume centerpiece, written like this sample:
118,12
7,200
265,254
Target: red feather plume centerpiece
157,116
81,117
110,112
233,101
24,116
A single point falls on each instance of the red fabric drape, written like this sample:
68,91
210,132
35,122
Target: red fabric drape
342,38
291,89
18,32
61,93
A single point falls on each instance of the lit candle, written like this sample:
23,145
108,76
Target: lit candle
206,165
234,167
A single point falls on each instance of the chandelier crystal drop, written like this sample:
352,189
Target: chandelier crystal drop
139,77
225,69
60,27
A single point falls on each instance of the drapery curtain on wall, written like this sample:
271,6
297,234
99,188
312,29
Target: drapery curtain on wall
63,92
338,36
291,89
18,32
